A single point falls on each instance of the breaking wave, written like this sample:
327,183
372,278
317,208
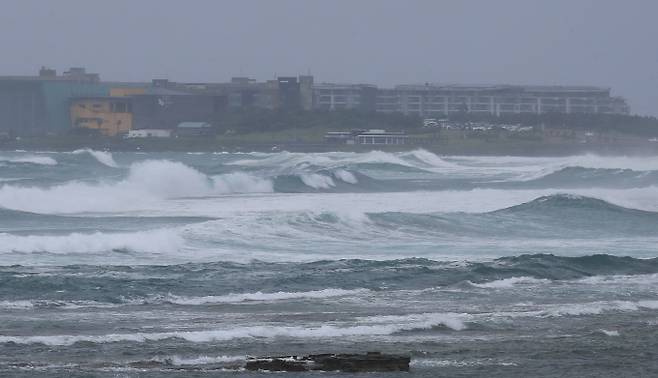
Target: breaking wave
563,201
511,282
578,170
255,297
384,325
102,157
374,326
145,284
200,360
571,217
317,181
156,241
30,159
147,182
261,297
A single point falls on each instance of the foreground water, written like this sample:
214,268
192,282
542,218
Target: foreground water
150,265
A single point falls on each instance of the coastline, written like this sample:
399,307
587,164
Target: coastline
468,147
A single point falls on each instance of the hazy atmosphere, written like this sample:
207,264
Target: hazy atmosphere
245,188
584,42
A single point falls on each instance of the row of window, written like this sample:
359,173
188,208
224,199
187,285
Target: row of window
325,99
115,107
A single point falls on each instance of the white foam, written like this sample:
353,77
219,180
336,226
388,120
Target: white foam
102,157
286,161
431,159
30,159
317,181
596,308
511,282
508,168
263,297
376,326
239,182
202,360
148,183
450,320
428,362
40,303
345,176
636,279
155,241
609,333
16,305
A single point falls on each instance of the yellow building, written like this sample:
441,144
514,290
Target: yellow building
109,115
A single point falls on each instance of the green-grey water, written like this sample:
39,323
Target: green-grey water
175,264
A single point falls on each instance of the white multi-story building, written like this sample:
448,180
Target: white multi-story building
433,100
430,100
344,96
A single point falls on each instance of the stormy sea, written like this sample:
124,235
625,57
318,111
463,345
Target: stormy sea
184,264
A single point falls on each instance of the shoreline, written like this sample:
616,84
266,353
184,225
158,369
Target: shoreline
452,148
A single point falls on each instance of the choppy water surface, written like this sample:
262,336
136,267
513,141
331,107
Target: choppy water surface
150,265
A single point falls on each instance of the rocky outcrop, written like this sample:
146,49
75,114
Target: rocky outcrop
369,362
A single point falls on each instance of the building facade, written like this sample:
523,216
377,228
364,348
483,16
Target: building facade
366,137
328,96
435,100
37,105
111,116
167,109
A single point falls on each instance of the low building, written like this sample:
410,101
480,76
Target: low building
149,133
373,136
111,116
381,137
339,137
194,129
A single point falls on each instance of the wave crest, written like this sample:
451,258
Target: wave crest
30,159
147,181
262,297
156,241
102,157
373,326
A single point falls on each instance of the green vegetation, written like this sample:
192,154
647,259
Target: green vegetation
263,120
271,122
625,124
259,129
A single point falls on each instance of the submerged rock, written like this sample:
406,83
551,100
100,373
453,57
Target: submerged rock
372,361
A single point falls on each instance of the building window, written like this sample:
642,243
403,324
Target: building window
119,107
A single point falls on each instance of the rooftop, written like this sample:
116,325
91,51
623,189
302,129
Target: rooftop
193,125
483,87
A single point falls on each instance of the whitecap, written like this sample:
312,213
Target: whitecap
30,159
153,241
263,297
511,282
102,157
375,326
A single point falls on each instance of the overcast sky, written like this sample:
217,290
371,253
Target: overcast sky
568,42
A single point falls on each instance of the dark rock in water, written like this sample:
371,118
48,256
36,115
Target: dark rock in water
372,361
149,364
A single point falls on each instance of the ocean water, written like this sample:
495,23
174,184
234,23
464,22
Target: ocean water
184,264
